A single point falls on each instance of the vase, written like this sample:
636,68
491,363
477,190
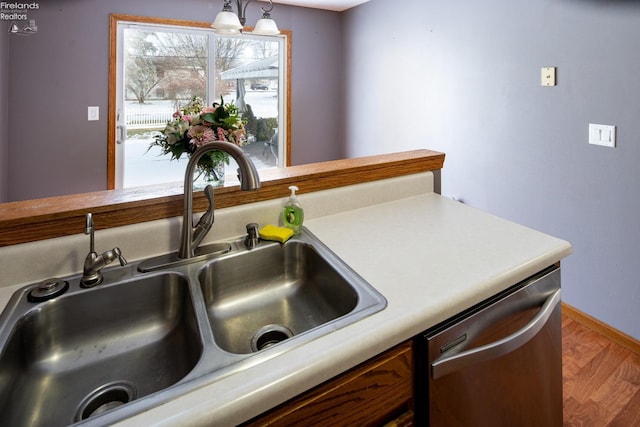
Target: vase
213,176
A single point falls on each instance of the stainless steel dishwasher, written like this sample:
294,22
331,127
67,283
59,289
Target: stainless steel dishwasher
497,364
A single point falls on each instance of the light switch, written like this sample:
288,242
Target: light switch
93,113
604,135
548,76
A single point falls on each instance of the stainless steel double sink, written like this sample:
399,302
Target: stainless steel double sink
96,356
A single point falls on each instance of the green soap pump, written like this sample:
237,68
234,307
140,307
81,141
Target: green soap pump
293,214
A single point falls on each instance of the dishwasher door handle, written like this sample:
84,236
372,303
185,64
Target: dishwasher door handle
446,365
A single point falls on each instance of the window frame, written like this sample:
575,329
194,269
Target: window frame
113,70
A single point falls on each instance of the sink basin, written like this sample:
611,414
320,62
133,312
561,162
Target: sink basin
86,352
261,297
141,338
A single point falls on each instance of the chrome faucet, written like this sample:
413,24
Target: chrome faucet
249,180
94,263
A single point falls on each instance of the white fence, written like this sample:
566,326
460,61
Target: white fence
147,116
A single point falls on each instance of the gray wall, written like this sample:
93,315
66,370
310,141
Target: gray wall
4,113
464,78
56,74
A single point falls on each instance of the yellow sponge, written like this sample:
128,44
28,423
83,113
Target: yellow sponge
279,234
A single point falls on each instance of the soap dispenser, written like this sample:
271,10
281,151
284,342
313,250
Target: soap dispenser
293,214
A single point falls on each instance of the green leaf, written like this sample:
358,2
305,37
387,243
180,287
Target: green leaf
208,117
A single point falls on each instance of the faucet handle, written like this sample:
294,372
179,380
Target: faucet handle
206,220
118,253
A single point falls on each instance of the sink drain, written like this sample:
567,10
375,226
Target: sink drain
106,397
269,335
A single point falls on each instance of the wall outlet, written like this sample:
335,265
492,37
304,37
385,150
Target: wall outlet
93,114
604,135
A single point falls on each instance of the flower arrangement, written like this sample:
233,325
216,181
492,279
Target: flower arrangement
196,124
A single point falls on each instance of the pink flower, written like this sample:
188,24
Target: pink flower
177,114
187,117
221,135
201,135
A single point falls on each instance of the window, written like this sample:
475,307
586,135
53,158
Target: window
158,65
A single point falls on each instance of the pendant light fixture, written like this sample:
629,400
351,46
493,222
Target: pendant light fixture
228,22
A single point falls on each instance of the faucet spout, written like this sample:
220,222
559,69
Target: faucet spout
192,236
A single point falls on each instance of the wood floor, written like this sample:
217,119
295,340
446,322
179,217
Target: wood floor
601,379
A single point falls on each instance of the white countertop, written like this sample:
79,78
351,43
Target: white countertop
429,256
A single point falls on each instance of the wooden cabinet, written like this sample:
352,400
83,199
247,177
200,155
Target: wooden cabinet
376,392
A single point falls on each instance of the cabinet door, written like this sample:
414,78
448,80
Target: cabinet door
372,393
